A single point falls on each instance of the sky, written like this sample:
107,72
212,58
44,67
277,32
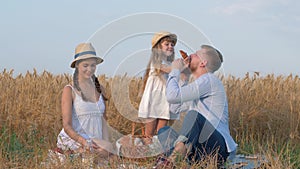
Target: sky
253,35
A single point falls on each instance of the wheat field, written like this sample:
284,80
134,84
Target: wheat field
264,115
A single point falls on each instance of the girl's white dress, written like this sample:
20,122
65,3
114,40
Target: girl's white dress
154,102
86,121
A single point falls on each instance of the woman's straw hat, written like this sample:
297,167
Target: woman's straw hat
85,51
159,35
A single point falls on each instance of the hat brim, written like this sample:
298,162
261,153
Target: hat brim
171,35
98,59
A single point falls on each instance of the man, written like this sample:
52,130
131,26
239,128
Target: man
205,129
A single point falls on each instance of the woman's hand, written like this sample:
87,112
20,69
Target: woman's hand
103,147
89,145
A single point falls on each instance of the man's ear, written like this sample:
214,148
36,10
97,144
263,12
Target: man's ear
203,63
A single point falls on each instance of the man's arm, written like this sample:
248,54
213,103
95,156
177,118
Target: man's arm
177,94
175,107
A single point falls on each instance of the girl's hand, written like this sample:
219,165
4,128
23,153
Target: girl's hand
178,64
165,68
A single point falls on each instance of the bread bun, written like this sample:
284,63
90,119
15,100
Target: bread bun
184,55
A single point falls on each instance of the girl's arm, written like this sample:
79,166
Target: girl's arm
165,68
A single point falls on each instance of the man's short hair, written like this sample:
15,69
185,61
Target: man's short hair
214,58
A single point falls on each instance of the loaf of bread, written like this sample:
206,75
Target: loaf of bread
184,55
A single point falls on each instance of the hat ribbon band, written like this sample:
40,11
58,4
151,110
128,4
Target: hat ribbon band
85,53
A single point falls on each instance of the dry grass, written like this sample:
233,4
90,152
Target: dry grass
264,115
264,108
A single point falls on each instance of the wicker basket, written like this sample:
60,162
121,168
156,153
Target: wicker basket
131,146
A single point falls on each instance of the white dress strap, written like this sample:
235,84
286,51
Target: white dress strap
73,89
70,86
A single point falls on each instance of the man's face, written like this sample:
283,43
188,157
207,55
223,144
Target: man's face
195,59
194,62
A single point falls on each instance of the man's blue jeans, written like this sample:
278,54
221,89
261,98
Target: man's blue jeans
201,138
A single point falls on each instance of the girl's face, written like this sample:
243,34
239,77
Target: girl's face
167,47
86,68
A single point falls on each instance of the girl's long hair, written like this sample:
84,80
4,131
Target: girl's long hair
156,58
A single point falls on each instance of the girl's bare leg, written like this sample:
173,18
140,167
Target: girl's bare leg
150,128
171,122
161,123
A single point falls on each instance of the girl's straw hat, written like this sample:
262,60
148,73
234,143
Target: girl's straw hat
159,35
85,51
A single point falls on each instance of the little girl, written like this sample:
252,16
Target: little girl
154,107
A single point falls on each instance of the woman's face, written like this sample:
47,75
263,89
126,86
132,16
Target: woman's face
167,47
87,67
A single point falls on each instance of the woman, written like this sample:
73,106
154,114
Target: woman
154,107
83,106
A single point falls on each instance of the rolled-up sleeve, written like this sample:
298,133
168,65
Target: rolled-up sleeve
172,89
182,96
177,94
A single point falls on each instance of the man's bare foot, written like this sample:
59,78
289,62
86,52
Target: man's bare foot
178,153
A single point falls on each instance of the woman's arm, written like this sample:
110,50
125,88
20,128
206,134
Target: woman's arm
105,134
66,105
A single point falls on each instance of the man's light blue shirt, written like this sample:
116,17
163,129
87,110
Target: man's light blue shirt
205,95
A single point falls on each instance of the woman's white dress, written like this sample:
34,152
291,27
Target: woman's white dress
86,121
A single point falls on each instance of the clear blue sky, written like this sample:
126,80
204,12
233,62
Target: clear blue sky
253,35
